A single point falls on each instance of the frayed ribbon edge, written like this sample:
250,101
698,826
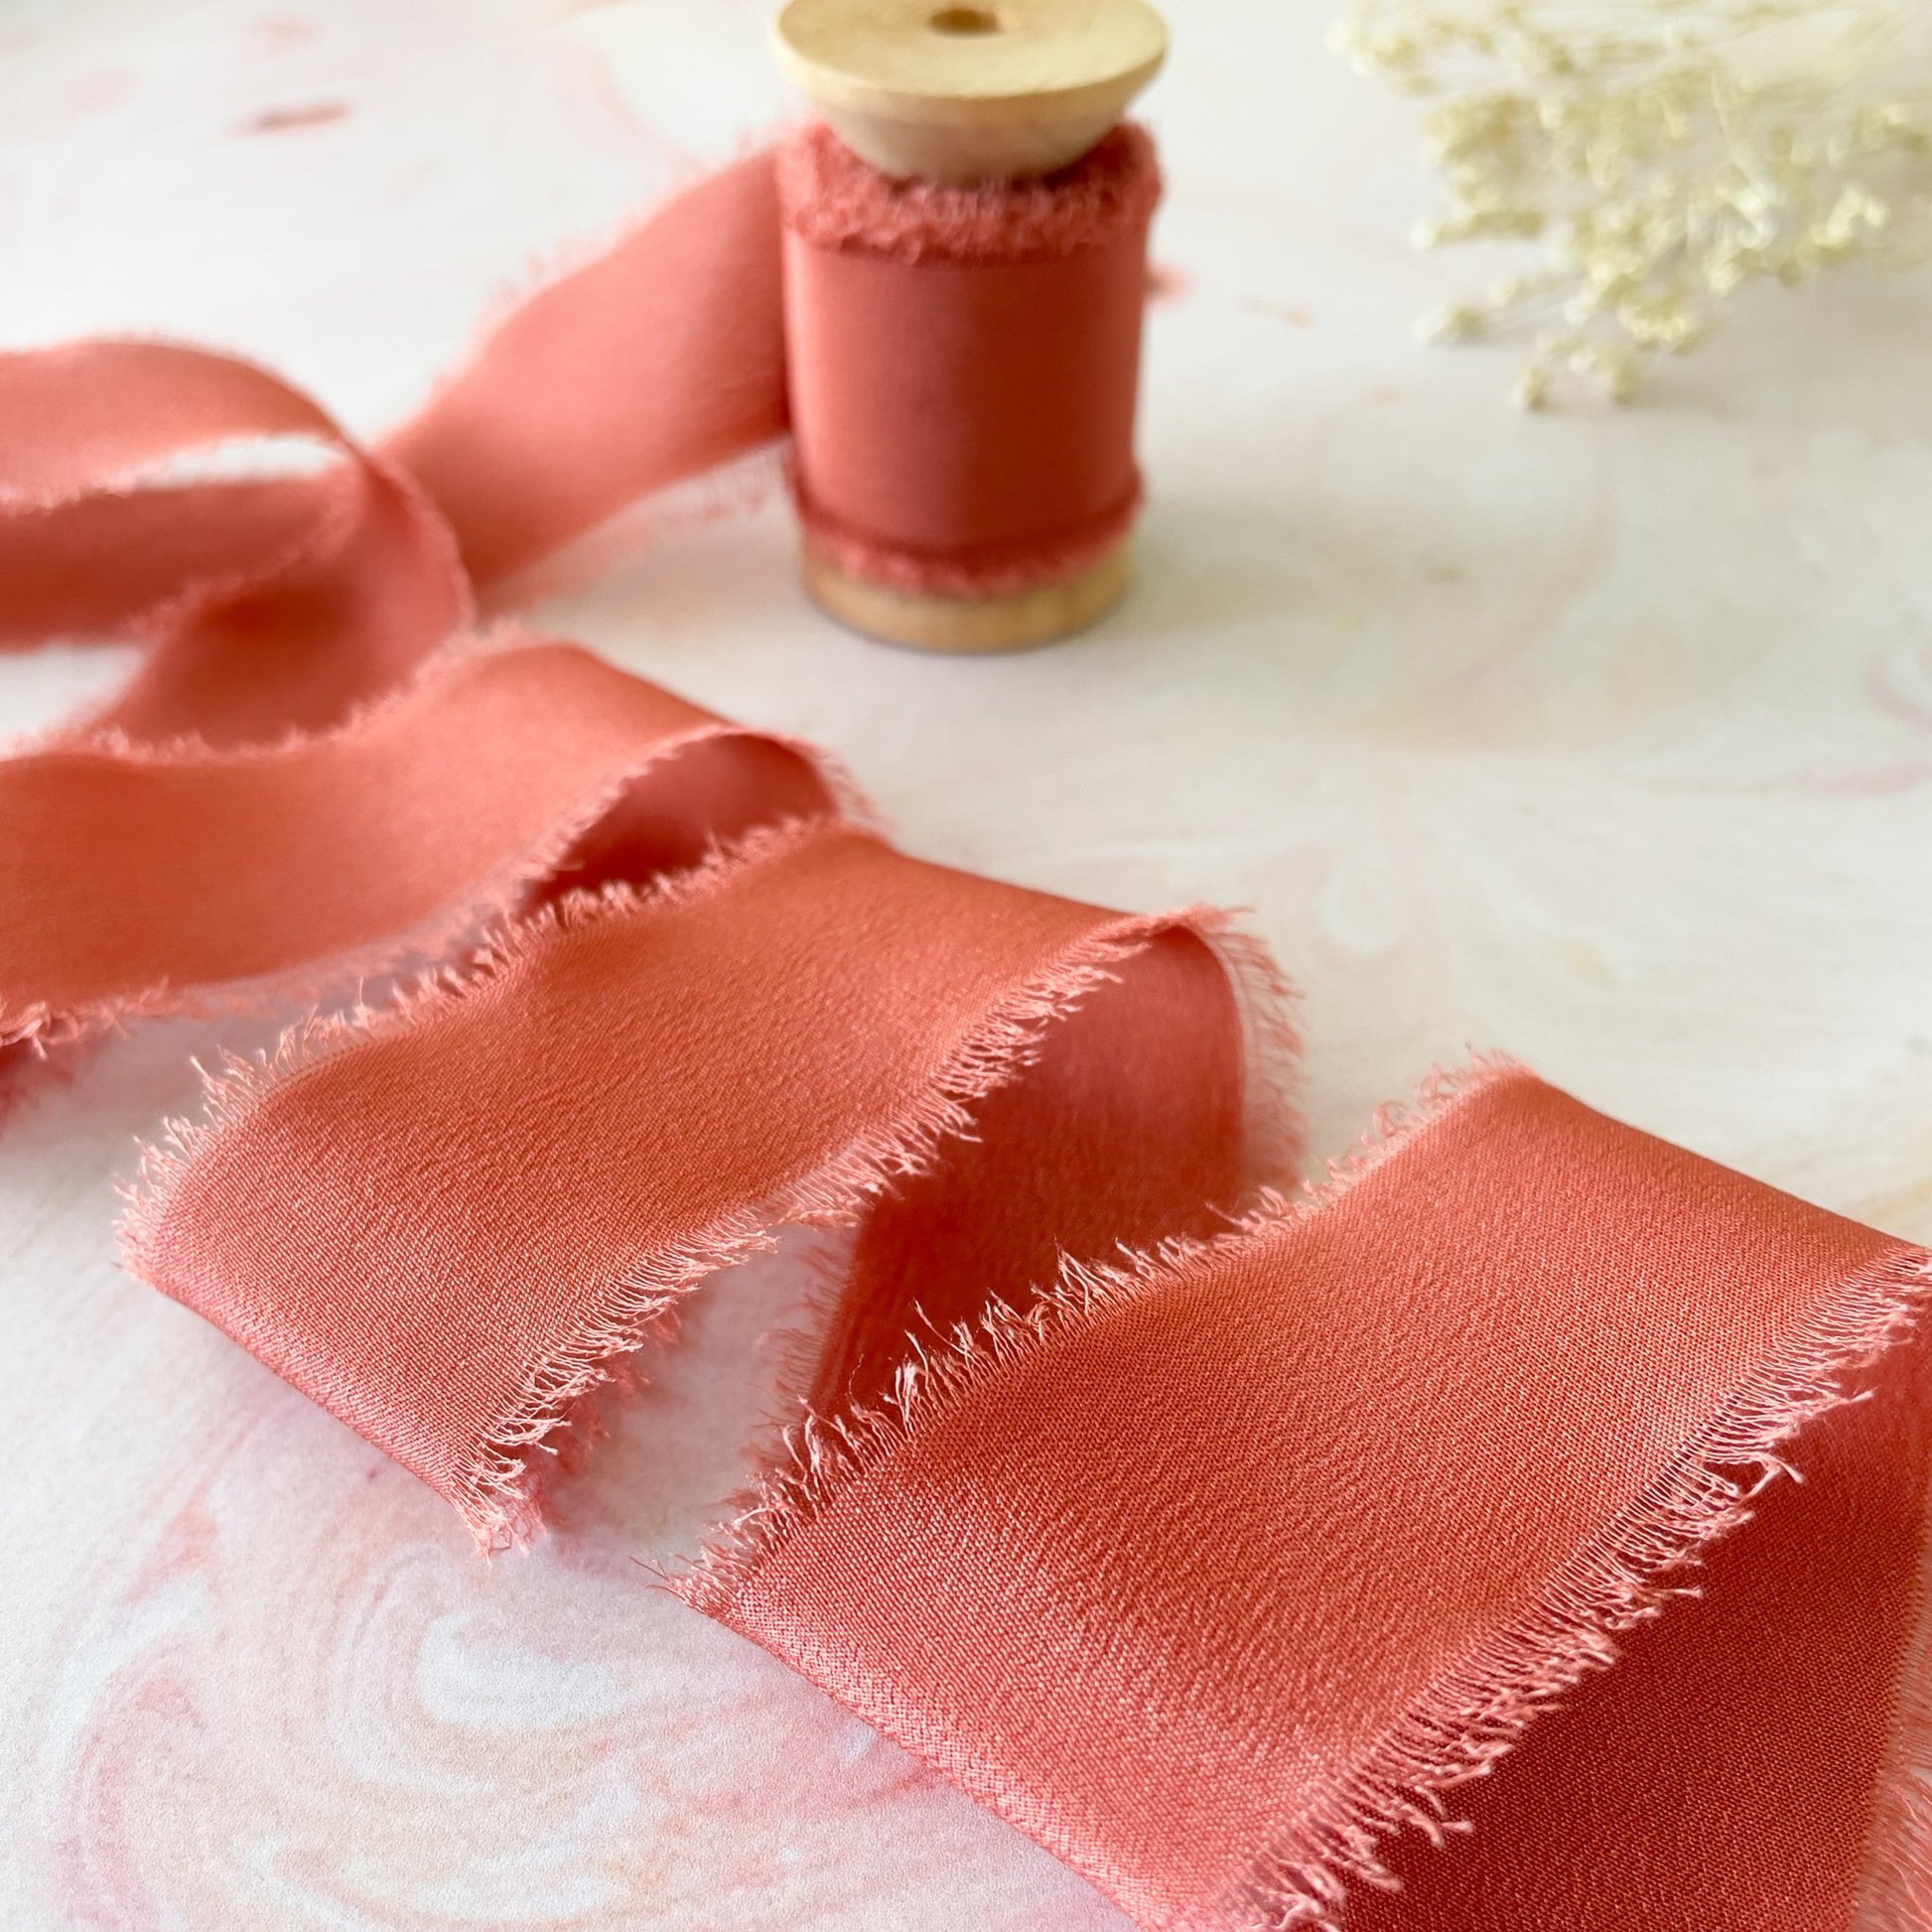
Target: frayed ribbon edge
41,1028
1478,1714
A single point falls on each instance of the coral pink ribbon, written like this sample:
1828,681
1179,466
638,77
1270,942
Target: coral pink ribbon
1213,1557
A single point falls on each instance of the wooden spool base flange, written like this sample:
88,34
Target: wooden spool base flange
968,625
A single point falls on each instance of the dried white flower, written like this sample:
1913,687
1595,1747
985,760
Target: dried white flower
1660,154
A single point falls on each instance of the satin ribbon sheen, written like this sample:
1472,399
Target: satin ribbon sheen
1214,1559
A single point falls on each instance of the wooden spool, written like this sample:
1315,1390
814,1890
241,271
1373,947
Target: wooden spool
995,90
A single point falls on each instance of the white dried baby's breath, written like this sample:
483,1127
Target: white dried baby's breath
1659,155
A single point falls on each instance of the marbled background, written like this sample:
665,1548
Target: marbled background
1603,738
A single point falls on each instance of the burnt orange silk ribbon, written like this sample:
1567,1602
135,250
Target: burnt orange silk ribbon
1214,1538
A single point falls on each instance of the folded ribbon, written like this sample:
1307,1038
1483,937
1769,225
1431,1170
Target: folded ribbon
1212,1557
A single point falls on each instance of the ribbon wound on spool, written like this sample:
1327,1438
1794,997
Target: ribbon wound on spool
963,364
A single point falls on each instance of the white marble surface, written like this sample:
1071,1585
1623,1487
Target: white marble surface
1605,739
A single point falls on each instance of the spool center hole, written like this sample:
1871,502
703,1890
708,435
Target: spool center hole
963,20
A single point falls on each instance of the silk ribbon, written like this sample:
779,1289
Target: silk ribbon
1214,1536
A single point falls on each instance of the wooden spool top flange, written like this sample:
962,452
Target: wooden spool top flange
991,90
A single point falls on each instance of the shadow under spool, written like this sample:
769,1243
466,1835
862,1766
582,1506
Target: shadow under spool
964,352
